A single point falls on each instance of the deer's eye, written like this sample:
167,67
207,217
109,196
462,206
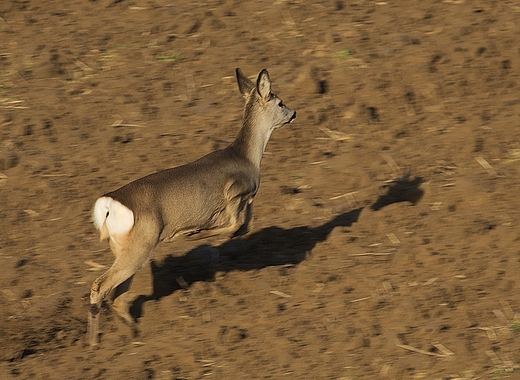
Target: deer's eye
281,105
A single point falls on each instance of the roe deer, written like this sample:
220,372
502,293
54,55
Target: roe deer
212,194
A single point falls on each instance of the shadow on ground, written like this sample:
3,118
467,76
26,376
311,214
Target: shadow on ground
272,246
400,190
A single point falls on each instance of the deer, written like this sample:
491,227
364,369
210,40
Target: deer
209,196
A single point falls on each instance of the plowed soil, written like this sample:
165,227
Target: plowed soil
385,237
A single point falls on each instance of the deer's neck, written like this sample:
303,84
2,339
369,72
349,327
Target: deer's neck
252,140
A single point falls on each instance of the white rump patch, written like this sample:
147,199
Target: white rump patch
118,218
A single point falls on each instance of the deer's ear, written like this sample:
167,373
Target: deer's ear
244,84
263,84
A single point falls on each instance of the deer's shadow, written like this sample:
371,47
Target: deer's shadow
272,246
401,190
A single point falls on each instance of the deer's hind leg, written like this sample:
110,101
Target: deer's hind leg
132,251
121,304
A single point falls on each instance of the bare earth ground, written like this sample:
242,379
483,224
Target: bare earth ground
385,241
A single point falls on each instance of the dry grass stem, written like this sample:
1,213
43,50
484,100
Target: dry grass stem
335,135
387,286
481,160
120,123
351,200
360,299
95,266
280,294
288,19
430,281
436,206
346,196
12,104
419,351
349,197
385,369
501,317
443,349
392,164
31,212
508,310
493,357
56,175
393,239
79,63
515,156
490,332
206,362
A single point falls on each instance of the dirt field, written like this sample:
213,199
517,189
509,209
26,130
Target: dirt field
385,239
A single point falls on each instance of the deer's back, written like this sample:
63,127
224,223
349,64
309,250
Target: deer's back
190,195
